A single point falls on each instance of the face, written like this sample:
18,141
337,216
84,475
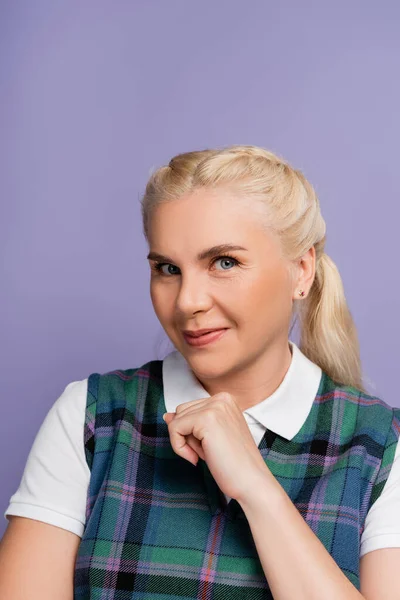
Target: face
248,291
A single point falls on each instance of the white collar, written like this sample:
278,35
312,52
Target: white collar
283,412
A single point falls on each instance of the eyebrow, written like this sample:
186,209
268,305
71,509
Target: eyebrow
215,250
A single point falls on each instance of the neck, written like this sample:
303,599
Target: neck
254,383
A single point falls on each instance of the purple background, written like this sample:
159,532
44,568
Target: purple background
95,94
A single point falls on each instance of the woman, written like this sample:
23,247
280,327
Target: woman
296,490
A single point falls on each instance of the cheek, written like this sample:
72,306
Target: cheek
156,299
161,302
266,297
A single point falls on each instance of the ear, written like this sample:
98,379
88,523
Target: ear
305,274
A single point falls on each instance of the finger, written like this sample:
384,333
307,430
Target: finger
191,439
182,408
179,442
195,444
181,431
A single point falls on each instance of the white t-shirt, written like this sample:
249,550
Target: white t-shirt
54,485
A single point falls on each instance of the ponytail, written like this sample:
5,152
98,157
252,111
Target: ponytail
328,333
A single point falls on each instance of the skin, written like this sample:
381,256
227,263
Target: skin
253,299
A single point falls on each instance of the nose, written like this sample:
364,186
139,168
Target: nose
193,295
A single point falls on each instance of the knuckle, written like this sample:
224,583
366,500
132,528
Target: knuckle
211,414
225,397
224,401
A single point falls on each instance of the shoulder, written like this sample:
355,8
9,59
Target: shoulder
358,411
111,391
332,391
70,401
99,383
65,418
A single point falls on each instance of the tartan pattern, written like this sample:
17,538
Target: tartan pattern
159,528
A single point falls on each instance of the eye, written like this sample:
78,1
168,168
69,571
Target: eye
227,259
159,266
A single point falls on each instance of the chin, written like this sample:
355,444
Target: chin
208,367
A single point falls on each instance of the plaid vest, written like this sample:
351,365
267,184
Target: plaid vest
159,528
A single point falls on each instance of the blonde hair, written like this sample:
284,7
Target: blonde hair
328,334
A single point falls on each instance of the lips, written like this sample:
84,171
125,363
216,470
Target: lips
206,338
201,332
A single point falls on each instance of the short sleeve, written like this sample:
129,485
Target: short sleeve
382,524
55,481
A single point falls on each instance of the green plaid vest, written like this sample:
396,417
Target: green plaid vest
159,528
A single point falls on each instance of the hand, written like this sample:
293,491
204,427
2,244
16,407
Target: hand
215,430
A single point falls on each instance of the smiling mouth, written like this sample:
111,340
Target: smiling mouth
204,339
202,332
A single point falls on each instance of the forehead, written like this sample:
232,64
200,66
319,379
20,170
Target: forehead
206,215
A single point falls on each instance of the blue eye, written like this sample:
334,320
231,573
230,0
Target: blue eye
227,259
158,266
